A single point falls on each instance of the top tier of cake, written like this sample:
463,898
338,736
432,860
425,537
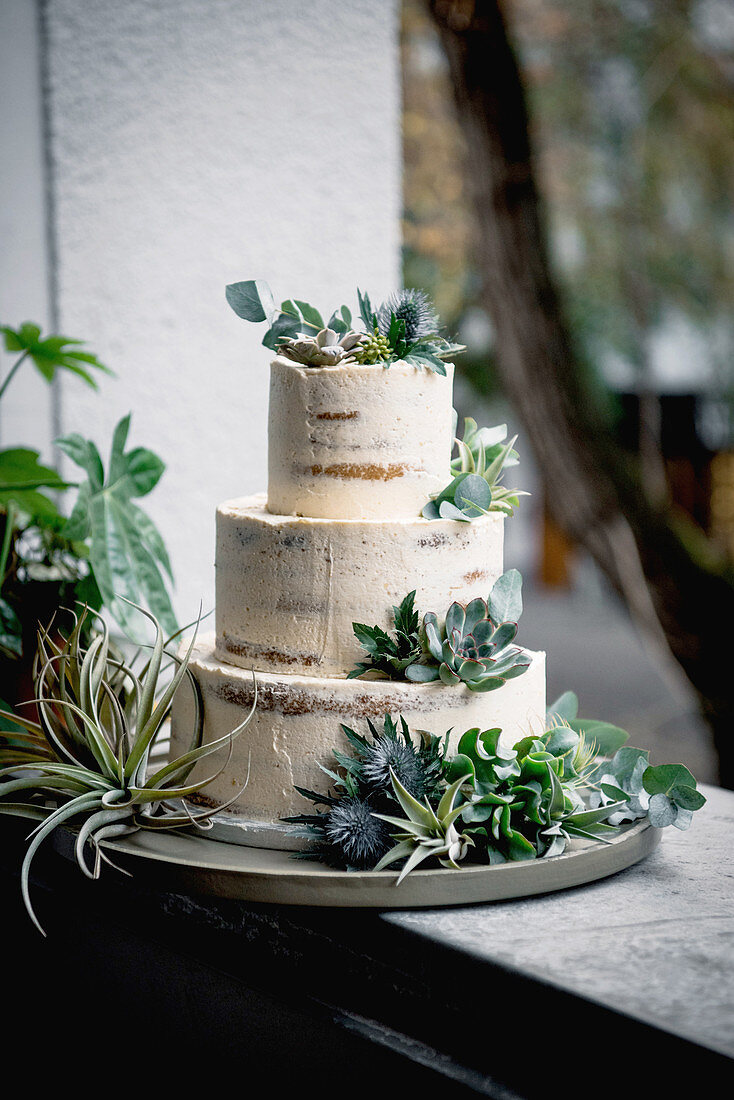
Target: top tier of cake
355,441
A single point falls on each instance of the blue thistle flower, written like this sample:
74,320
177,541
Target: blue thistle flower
361,838
388,753
415,308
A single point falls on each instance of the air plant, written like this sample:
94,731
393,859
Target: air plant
90,750
476,485
426,832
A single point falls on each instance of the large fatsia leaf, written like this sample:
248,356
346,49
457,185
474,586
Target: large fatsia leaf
127,554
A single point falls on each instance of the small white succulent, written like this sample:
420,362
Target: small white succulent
326,349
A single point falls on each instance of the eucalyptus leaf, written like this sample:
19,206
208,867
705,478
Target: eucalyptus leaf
505,599
252,300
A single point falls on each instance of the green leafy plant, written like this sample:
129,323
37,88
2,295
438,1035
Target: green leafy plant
405,329
49,355
488,803
390,656
127,554
90,751
397,330
470,645
106,545
476,487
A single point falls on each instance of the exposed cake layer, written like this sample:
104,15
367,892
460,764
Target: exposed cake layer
296,725
288,589
357,442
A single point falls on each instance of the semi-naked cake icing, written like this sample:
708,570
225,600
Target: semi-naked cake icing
289,588
355,452
356,442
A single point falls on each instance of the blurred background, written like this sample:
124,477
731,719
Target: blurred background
156,151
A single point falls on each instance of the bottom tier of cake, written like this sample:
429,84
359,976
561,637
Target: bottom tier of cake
297,724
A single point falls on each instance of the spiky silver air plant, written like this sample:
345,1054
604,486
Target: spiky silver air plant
353,829
87,759
415,308
326,349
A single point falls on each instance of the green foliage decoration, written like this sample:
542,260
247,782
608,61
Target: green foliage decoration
386,654
347,833
89,753
488,803
470,645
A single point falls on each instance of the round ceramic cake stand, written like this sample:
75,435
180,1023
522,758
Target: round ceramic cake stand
196,864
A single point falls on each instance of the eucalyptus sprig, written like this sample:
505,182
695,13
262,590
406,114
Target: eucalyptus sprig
476,487
89,753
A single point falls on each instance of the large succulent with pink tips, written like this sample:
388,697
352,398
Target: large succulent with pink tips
473,644
468,647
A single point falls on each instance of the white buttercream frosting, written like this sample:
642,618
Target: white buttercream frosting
357,442
289,589
296,725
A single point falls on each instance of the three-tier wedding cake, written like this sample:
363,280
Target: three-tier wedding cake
356,450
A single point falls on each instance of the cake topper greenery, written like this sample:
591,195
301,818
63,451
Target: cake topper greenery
404,328
402,799
471,644
87,760
476,488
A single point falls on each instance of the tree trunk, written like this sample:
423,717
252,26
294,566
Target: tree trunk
592,491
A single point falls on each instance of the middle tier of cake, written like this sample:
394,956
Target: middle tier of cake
289,588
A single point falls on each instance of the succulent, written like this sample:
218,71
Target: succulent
415,309
471,646
425,833
468,647
519,804
476,486
326,349
90,750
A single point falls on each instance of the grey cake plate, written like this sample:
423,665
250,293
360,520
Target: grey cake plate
196,864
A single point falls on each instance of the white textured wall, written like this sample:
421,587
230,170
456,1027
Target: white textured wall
195,143
26,415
